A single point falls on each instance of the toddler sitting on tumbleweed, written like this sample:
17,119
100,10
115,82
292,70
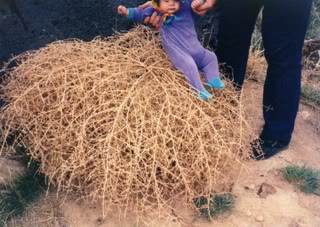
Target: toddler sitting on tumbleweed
180,41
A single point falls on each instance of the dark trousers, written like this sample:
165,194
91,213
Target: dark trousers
283,29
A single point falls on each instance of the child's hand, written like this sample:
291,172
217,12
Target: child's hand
123,11
196,3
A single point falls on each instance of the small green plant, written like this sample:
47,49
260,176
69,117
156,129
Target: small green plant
314,29
25,189
215,205
304,178
311,94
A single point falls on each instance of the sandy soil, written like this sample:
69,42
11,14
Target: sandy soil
285,207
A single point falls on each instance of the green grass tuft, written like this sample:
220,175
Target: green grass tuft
24,190
314,29
215,205
306,179
311,94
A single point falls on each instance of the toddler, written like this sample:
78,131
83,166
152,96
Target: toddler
180,41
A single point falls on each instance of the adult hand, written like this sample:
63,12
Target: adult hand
196,3
202,9
200,12
154,20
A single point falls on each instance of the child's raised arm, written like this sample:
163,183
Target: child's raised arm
136,14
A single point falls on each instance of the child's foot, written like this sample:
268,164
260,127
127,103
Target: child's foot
216,83
204,95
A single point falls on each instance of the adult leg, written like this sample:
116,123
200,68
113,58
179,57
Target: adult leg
236,24
283,28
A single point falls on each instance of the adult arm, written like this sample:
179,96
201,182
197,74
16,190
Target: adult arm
154,19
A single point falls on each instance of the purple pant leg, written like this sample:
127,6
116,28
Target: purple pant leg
208,63
186,64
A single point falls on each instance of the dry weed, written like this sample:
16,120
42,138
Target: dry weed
112,120
257,66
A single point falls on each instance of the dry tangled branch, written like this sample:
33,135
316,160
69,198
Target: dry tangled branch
257,66
112,120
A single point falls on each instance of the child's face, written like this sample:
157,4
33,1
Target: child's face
169,6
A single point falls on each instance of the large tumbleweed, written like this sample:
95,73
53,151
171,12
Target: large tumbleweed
111,119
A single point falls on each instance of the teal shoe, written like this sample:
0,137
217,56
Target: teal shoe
204,95
216,83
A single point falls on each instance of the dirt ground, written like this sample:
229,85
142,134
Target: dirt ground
284,207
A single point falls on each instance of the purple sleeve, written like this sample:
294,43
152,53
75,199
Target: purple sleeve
138,15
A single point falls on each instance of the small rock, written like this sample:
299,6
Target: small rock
250,187
99,221
305,115
260,218
276,172
265,190
248,213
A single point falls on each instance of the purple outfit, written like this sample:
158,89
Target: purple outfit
180,41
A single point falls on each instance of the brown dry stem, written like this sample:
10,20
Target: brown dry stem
111,119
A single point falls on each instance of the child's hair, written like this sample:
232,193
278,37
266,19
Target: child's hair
156,3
